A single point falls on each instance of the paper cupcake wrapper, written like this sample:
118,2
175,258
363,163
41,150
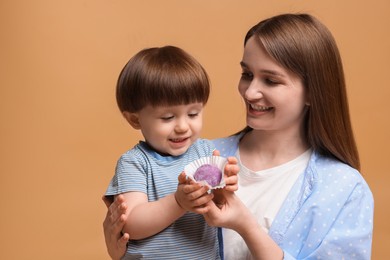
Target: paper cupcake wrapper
217,161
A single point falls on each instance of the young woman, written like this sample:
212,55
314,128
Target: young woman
300,193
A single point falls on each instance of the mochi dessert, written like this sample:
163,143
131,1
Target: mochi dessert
207,170
209,173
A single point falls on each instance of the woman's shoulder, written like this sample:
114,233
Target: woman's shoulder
328,164
227,146
330,171
202,147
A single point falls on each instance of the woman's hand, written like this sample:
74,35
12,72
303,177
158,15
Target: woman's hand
228,212
230,174
116,242
231,179
233,214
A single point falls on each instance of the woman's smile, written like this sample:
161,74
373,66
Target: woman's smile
259,108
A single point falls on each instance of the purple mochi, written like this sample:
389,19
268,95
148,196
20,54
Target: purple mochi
209,173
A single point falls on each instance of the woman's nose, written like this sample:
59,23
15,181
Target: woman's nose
254,91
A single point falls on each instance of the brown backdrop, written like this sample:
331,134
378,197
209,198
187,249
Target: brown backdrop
61,132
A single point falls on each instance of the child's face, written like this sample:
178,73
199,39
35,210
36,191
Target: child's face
171,129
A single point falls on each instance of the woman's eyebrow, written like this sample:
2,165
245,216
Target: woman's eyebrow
243,64
265,71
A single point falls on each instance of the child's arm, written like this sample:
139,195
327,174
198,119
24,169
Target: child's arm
148,218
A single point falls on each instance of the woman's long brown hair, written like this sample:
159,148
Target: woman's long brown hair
303,45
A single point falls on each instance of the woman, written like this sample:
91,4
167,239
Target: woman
300,194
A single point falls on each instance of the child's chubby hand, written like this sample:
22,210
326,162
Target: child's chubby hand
192,196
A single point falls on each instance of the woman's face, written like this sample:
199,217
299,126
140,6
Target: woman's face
274,97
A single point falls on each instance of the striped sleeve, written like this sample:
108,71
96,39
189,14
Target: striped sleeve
130,174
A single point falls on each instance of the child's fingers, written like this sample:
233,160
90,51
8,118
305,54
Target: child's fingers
190,188
202,210
195,191
182,179
201,201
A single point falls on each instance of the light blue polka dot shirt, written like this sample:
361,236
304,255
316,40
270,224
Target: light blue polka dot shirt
328,213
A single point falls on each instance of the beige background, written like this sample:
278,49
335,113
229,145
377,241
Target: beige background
61,132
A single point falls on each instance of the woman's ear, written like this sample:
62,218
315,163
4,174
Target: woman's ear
133,119
307,103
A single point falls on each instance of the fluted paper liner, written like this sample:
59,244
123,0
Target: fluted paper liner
217,161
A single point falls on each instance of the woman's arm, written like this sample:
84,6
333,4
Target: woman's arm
113,223
340,227
233,214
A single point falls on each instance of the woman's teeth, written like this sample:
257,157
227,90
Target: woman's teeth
260,108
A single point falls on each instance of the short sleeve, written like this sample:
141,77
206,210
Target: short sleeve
130,174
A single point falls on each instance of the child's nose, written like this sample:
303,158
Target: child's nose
181,125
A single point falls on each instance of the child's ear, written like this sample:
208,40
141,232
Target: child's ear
133,119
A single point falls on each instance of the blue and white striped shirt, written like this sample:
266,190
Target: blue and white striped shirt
142,169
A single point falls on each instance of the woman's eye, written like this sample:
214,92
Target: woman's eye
246,75
271,82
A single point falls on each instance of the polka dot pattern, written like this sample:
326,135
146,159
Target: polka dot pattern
328,213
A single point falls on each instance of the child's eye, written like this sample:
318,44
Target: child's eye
193,114
167,118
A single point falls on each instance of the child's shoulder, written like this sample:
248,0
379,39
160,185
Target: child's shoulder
138,151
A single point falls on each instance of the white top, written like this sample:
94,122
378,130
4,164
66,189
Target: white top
263,192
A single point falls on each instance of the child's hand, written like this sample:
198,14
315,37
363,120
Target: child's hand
192,196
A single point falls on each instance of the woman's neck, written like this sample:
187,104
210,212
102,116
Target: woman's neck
261,150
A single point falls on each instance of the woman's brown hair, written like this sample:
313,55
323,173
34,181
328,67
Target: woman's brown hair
303,45
163,76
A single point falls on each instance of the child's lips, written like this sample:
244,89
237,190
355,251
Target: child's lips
178,140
